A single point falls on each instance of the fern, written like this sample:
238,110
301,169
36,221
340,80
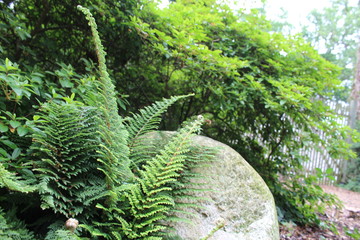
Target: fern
147,120
115,151
12,228
12,182
83,157
144,205
189,182
139,206
67,159
149,117
57,231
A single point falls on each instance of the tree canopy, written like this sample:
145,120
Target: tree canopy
336,34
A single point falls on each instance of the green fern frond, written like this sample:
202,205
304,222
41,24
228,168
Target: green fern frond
12,182
144,206
11,228
149,118
57,231
66,158
151,198
114,133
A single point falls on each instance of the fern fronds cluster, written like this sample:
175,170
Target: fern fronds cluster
91,164
67,167
151,198
11,228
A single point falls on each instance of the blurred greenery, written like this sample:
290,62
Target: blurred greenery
335,32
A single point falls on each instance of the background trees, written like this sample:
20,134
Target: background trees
336,34
264,94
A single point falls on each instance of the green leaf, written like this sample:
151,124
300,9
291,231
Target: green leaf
3,128
18,90
22,131
332,178
9,65
329,171
15,153
10,144
14,123
66,83
3,152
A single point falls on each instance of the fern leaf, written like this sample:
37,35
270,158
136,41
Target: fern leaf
66,159
115,135
11,228
149,117
11,182
145,121
152,205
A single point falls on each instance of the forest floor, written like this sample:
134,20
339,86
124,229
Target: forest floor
346,220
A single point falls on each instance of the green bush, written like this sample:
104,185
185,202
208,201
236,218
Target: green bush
353,172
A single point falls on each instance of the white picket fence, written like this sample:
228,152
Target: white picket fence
320,159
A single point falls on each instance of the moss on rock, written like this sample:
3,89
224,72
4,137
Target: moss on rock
240,197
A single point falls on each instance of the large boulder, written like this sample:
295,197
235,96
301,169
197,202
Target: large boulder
240,201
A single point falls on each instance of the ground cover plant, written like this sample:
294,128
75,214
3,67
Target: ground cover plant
79,161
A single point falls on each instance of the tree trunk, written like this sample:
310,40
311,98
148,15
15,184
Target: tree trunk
355,92
354,105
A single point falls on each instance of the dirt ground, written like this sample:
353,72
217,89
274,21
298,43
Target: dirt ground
346,220
351,200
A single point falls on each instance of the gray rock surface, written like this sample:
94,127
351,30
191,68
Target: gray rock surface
241,200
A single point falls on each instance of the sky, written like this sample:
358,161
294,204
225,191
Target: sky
297,10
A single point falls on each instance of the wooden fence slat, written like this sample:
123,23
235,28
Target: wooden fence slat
321,159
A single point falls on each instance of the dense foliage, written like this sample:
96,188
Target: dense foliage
265,95
353,172
78,159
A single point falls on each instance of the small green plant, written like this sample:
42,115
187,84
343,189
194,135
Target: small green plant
309,200
353,172
355,234
220,223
